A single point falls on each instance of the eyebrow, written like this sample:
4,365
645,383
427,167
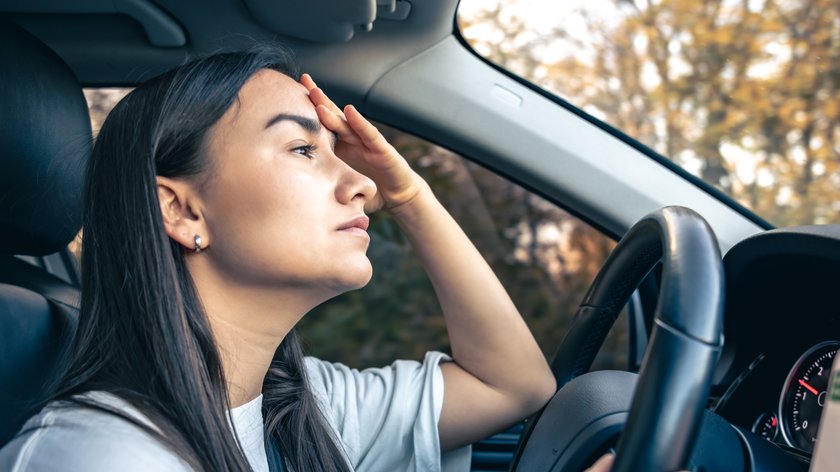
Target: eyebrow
309,125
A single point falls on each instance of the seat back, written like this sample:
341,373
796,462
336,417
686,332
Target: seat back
45,142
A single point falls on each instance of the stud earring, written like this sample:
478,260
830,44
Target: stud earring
197,240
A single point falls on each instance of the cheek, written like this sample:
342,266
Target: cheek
277,227
265,218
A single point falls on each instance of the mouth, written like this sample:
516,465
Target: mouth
358,225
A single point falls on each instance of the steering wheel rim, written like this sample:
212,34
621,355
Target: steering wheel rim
685,342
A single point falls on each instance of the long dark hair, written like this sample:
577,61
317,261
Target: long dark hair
143,334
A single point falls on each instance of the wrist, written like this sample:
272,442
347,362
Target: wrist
413,206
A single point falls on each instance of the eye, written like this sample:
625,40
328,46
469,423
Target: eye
307,150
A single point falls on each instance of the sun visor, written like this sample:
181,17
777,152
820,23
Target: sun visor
325,21
160,28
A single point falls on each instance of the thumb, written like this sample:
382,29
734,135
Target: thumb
603,464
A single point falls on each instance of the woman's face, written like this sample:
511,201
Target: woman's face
282,210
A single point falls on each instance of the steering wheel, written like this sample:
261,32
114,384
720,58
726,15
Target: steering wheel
672,386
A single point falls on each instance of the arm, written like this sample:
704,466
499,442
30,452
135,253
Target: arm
499,375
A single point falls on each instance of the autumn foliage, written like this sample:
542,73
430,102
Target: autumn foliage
743,93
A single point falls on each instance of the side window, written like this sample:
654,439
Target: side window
545,257
101,101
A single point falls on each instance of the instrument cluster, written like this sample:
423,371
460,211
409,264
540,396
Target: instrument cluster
795,422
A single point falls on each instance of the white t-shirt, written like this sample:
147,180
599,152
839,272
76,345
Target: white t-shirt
247,423
385,418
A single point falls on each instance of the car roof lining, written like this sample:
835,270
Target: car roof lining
320,21
109,47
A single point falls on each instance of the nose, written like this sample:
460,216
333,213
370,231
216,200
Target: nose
354,185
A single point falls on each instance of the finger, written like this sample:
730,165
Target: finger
336,124
306,81
318,97
369,135
603,464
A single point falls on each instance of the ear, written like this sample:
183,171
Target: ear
182,212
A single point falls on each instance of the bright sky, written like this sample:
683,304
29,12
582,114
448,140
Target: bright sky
544,17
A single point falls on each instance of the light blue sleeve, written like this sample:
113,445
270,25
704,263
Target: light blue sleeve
76,439
386,418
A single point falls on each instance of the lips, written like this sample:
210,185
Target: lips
360,222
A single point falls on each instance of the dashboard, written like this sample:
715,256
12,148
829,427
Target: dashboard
782,333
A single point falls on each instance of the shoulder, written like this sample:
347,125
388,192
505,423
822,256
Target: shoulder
386,418
68,436
332,377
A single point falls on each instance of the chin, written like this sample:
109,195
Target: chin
364,277
353,277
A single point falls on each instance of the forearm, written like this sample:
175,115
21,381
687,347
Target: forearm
488,336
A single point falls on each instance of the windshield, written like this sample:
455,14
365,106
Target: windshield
744,94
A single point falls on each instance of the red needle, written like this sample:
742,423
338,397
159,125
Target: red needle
810,388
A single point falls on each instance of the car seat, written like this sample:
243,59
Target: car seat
45,143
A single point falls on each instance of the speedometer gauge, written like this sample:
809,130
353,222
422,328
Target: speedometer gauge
803,396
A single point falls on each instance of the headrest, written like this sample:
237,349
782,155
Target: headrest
45,143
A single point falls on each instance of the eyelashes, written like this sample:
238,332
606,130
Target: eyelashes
307,150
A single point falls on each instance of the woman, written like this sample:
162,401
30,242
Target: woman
226,199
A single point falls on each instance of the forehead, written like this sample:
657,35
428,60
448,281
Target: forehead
269,91
264,95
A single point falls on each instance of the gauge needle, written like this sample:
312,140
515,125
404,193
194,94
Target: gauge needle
810,388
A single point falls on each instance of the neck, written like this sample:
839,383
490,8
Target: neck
248,324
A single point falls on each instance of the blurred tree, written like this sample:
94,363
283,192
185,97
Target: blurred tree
744,93
101,101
